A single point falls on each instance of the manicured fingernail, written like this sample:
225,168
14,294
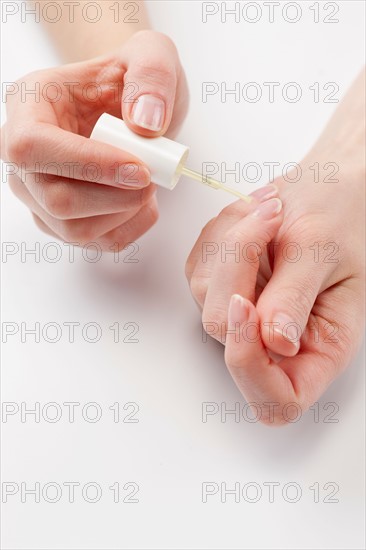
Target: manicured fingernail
149,112
133,175
266,192
287,328
268,209
237,313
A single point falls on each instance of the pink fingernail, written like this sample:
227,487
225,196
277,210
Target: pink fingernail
266,192
149,112
288,329
133,175
237,313
268,209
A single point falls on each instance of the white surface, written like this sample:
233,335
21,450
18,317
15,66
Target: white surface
170,372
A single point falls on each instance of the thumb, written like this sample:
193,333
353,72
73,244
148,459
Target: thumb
150,84
287,300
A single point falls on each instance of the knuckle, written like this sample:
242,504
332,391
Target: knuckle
114,241
233,360
252,245
299,302
234,210
111,245
58,202
189,269
274,421
33,76
248,249
140,198
157,71
19,144
77,231
165,38
12,97
234,236
277,413
199,286
214,321
148,34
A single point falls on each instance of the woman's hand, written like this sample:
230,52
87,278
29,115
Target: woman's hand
286,298
289,302
77,189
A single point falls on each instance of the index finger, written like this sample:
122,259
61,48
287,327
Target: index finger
47,149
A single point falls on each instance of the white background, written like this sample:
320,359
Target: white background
170,372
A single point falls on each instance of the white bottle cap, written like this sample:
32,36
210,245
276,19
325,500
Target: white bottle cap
165,158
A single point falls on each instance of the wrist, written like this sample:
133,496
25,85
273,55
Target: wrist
343,139
337,163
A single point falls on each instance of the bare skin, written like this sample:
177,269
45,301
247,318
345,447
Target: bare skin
126,63
308,314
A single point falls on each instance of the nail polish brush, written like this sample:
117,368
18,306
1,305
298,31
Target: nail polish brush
165,158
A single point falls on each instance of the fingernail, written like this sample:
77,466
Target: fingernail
237,313
149,112
268,209
288,328
266,192
133,175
